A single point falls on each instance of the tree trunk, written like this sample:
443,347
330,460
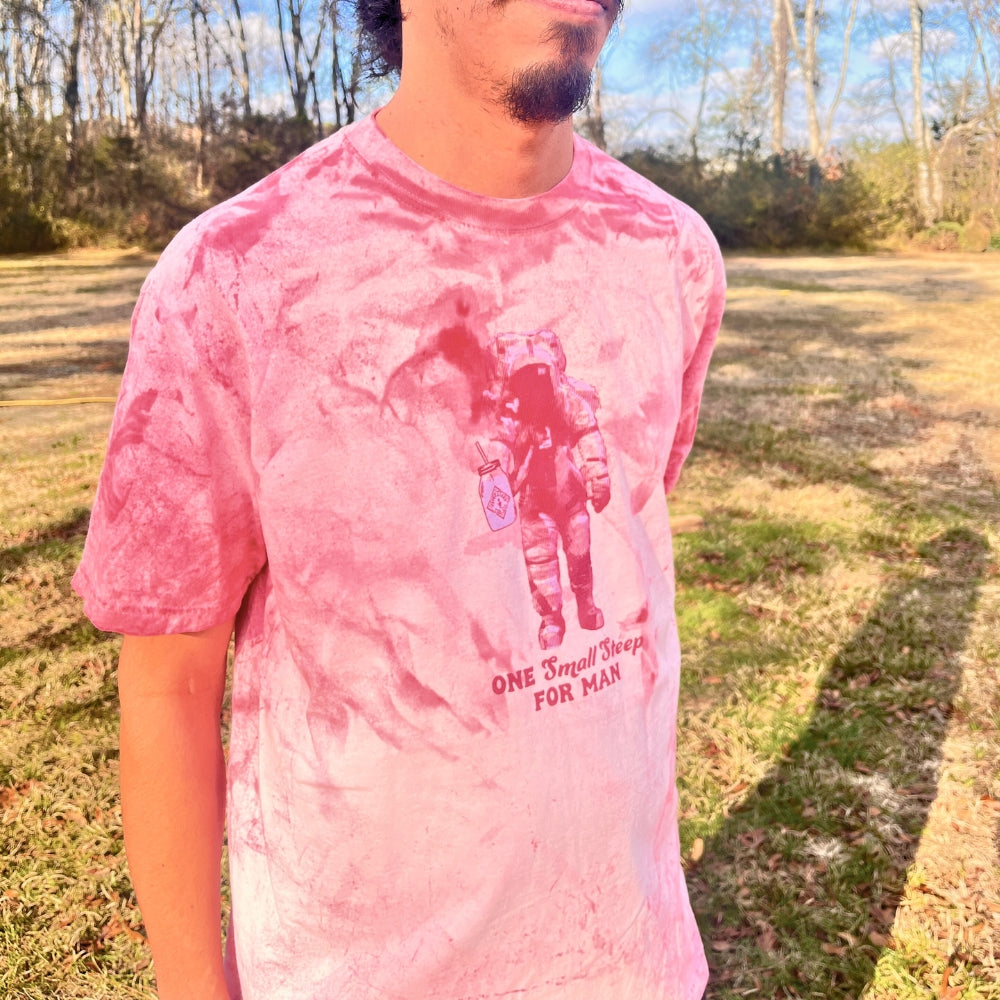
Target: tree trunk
140,122
72,92
345,90
779,75
811,72
921,136
199,180
805,53
244,78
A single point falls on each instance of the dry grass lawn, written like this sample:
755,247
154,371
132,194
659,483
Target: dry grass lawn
839,596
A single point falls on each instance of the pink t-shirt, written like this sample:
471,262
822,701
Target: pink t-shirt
417,440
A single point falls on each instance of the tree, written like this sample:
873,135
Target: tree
711,91
807,55
779,74
921,133
301,55
347,85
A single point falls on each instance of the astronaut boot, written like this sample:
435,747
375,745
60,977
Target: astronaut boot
590,615
581,577
552,630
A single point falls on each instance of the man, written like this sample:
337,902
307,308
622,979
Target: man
421,802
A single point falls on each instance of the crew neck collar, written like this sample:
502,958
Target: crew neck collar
414,183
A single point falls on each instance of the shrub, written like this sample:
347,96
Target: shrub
249,150
775,204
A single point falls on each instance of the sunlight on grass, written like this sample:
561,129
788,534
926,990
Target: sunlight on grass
839,604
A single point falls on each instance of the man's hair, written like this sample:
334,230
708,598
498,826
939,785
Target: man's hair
381,25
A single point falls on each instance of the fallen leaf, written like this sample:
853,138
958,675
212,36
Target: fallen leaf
697,849
752,838
767,938
946,991
833,949
116,926
11,795
879,940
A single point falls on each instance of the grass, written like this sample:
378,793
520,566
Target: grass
838,759
838,598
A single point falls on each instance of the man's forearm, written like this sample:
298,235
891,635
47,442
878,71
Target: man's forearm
173,807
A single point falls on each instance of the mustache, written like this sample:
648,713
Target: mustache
574,40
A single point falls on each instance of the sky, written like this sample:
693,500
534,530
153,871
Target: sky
657,99
654,99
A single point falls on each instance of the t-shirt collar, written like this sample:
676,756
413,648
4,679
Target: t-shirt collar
415,183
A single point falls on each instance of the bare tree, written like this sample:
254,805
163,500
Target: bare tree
591,123
807,55
694,49
71,90
346,83
301,55
779,73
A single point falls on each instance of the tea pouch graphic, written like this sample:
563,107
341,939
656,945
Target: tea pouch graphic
495,493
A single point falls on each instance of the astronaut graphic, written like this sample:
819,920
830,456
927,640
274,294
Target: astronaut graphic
546,454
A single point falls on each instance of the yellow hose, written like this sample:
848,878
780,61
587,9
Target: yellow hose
72,401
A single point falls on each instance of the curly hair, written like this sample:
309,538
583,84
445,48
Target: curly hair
381,27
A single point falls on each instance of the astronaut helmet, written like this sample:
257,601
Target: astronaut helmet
526,372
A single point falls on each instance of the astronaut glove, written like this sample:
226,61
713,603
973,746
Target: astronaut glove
599,493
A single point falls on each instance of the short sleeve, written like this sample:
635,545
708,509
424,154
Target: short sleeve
174,537
703,294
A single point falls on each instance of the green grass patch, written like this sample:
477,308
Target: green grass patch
757,446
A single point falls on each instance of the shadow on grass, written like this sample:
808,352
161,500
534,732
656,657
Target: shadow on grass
797,891
71,319
44,542
95,357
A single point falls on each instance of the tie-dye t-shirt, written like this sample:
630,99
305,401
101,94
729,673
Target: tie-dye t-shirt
417,440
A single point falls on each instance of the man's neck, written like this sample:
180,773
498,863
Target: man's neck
476,147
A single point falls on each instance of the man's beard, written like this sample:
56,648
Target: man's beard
547,93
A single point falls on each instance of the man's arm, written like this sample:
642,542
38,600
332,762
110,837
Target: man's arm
173,801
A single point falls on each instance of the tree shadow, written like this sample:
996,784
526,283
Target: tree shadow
814,392
808,871
104,357
797,890
70,529
70,319
948,281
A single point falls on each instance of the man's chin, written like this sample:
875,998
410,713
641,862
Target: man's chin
548,93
